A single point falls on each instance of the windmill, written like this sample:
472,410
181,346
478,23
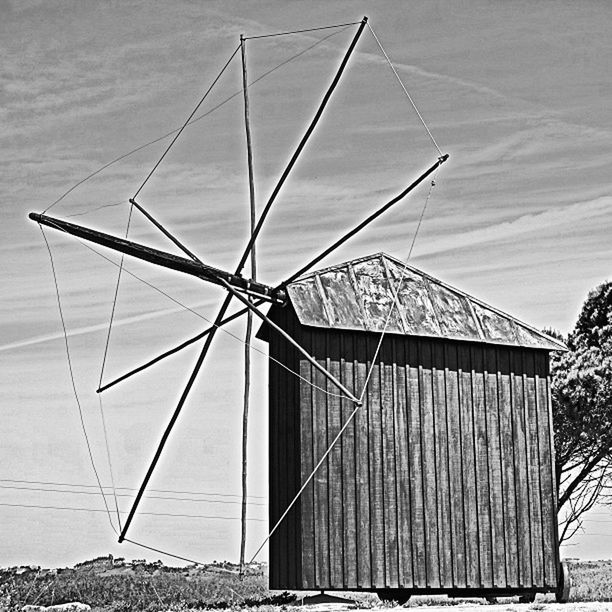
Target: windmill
252,295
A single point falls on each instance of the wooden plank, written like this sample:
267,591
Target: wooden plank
307,464
507,454
297,467
296,476
389,454
416,467
458,519
402,466
535,500
547,474
273,463
297,453
334,424
521,472
545,356
321,478
483,501
281,426
498,542
445,548
496,489
377,509
349,489
286,457
362,454
428,455
472,548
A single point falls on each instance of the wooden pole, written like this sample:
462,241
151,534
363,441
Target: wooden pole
249,322
164,259
365,222
164,231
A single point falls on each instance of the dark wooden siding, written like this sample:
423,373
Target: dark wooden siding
443,480
288,463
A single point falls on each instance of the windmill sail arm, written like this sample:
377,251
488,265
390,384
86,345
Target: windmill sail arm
365,222
162,258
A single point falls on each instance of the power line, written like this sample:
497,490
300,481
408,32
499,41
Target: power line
200,516
86,486
185,499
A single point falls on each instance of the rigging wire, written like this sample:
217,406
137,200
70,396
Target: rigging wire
104,356
397,290
307,481
359,403
340,25
405,90
113,308
198,118
96,209
180,131
110,463
72,379
168,554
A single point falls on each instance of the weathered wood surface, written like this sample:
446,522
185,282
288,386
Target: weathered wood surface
444,480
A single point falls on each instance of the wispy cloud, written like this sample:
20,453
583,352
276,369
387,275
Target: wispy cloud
90,329
548,221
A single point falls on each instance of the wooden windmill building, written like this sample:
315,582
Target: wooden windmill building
444,480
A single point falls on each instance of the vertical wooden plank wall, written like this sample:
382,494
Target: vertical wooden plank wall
287,464
444,480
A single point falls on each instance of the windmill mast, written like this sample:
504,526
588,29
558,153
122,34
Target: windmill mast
249,321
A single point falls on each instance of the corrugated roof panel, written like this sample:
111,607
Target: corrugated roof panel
415,304
308,303
529,337
342,303
455,317
495,327
377,296
359,295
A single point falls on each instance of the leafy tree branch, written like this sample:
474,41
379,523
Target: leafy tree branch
582,412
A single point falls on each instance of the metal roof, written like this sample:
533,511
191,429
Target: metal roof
358,295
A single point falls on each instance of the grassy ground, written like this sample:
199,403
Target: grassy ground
154,588
591,581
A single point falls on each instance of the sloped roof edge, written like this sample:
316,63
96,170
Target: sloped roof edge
358,295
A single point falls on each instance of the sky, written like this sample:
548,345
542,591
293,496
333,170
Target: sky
518,93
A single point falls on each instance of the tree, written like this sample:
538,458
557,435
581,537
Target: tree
582,413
